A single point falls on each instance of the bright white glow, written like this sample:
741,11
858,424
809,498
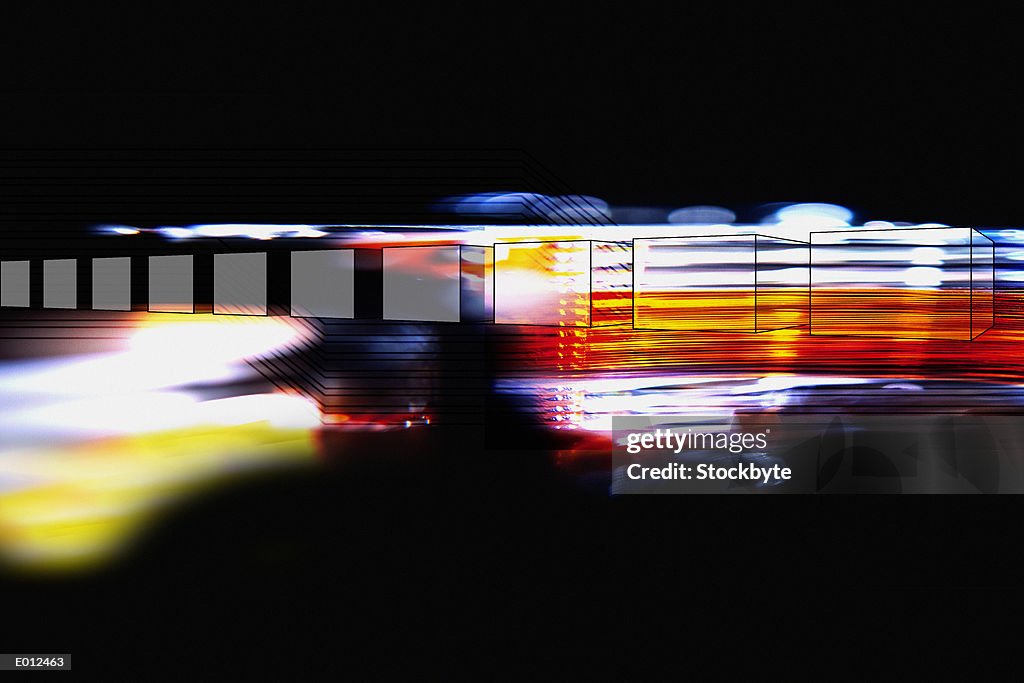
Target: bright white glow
114,373
279,410
256,231
882,276
678,280
144,412
923,277
158,357
785,382
144,388
913,237
927,256
592,403
176,233
783,276
97,416
904,386
823,215
214,341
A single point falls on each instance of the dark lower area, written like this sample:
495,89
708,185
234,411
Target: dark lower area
411,555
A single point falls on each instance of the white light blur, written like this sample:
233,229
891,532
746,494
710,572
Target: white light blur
922,276
145,388
218,341
673,280
256,231
591,404
786,382
813,215
930,235
105,374
1011,234
927,256
882,276
176,233
157,357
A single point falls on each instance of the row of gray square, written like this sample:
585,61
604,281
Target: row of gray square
239,287
322,284
111,284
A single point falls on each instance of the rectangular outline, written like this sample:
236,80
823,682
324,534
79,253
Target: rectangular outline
266,284
632,298
755,235
92,280
590,293
787,327
29,304
460,321
970,338
149,285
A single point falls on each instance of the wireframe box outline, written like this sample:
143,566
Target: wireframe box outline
149,284
266,284
970,245
28,266
438,322
755,235
590,291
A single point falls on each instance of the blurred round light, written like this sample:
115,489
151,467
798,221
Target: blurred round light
706,215
821,214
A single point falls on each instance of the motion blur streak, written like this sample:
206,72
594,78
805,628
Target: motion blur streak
97,445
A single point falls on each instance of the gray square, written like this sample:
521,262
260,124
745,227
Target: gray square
422,283
171,284
240,284
112,284
60,283
323,283
14,284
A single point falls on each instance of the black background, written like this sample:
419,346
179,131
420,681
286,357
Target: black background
431,556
